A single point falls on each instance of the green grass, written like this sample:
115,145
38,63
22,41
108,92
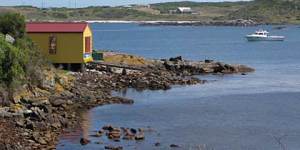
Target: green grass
270,11
89,13
165,7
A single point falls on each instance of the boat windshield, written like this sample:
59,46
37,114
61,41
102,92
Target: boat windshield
261,32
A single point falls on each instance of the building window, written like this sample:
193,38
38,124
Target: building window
52,44
88,45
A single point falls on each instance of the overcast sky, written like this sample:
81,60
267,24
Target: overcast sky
84,3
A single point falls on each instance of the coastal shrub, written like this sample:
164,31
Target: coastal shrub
60,15
12,24
35,62
12,67
21,62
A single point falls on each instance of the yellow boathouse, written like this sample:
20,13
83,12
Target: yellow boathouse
63,42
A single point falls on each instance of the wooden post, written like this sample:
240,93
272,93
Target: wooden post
69,67
60,66
82,67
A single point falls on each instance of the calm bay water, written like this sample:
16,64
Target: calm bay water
231,112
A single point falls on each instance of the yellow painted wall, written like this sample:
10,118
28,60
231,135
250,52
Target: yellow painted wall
70,46
88,33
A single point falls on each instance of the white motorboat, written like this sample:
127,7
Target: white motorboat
263,35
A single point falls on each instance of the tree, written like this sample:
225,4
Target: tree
12,24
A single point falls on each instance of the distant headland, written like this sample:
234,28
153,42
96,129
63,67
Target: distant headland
258,11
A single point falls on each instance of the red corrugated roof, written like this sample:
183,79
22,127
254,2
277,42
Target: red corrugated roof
69,27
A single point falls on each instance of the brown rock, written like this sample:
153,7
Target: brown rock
140,136
20,123
114,135
99,133
58,102
56,125
37,137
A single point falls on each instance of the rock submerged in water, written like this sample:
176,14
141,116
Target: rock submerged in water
133,131
113,147
157,144
174,146
115,133
108,127
84,141
99,143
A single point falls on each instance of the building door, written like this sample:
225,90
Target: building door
88,45
52,44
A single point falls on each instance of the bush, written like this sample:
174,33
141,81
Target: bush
20,63
12,24
60,15
35,62
12,66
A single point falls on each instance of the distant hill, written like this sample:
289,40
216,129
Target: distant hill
263,11
229,6
270,11
159,11
88,13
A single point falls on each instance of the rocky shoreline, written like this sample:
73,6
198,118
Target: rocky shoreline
36,118
237,22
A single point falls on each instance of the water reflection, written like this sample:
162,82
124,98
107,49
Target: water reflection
74,135
85,124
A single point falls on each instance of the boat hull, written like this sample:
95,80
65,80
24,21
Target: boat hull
268,38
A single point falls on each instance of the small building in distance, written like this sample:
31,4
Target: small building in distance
181,10
64,43
184,10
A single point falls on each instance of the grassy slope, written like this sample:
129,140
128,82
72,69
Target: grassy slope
266,11
165,7
204,10
88,13
270,11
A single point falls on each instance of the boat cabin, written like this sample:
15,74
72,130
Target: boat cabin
261,32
